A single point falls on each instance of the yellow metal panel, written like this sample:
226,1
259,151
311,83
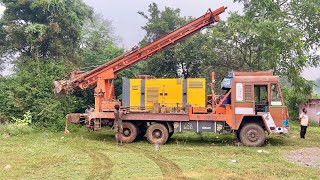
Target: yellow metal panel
135,93
196,95
167,92
171,92
151,93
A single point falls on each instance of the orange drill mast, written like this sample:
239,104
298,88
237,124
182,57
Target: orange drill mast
104,75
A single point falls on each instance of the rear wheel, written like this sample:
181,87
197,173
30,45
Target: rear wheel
252,135
157,134
129,133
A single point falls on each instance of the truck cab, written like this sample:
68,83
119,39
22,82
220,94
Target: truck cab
256,100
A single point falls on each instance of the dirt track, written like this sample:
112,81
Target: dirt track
306,157
169,169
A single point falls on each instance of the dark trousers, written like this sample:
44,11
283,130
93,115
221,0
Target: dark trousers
303,131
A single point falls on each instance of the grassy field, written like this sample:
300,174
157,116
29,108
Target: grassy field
94,155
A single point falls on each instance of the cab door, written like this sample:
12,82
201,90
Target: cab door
277,108
261,103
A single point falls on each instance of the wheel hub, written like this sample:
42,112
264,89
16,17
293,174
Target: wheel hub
253,135
126,132
157,133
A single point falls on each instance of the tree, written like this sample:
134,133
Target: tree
316,87
98,43
305,16
44,37
301,15
42,28
181,60
276,35
98,46
30,89
270,35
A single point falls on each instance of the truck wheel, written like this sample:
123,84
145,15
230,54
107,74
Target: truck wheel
129,133
252,135
157,134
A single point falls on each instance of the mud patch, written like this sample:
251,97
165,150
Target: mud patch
309,157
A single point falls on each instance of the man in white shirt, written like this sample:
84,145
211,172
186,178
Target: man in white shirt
304,123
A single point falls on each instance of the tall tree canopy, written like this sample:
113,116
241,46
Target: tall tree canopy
48,39
42,28
288,41
271,35
172,61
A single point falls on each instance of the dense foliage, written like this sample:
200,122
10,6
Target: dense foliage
30,89
281,36
42,28
46,40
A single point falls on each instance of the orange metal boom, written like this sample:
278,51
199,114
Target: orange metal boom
103,75
128,59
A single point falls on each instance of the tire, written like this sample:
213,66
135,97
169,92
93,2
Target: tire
129,133
157,134
252,135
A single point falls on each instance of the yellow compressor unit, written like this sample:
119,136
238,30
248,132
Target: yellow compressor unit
174,94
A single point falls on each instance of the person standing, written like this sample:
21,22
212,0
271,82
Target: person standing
117,124
304,123
89,109
87,117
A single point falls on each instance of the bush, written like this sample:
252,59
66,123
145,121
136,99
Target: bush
31,89
12,129
296,94
27,119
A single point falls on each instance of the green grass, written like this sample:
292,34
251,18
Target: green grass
94,155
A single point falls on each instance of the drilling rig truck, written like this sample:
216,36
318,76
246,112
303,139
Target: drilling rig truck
251,107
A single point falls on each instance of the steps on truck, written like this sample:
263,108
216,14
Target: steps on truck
97,124
94,124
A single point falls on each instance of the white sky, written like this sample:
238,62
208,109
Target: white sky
127,22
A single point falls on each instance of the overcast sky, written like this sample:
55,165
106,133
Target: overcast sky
127,22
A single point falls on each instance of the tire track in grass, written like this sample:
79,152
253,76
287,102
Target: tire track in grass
102,166
168,169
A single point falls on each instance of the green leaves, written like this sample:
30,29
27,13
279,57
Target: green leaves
27,119
286,41
43,28
181,60
30,89
271,35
